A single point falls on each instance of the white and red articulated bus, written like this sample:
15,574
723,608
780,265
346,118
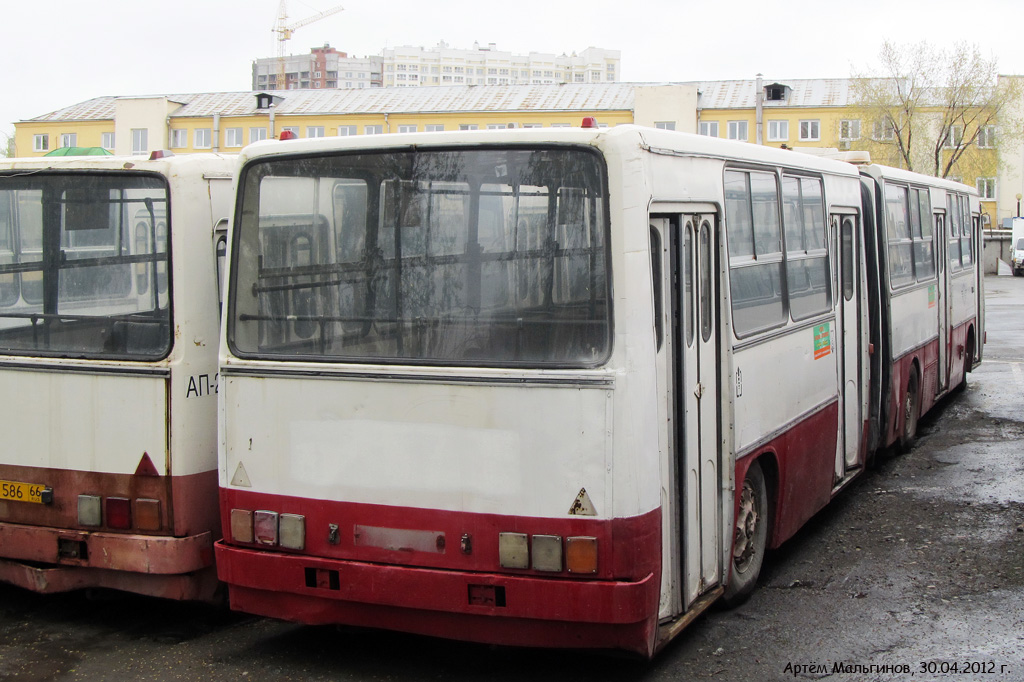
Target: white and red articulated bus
927,297
109,318
560,387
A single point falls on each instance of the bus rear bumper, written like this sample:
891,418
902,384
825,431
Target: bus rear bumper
479,607
57,560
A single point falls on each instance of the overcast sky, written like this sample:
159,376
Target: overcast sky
54,53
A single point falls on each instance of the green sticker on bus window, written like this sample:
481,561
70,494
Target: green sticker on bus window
931,296
822,341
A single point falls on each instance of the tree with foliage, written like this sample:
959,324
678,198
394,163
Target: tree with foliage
928,109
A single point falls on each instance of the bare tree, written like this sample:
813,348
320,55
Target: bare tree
7,145
929,109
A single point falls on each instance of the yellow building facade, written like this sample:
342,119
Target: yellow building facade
810,113
229,121
823,113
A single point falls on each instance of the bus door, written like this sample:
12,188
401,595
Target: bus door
693,383
942,292
846,238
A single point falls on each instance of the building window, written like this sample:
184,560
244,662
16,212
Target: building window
233,137
107,141
373,130
314,131
202,138
179,138
738,130
41,143
955,136
778,131
810,131
883,131
68,140
407,129
140,140
345,131
709,128
468,126
665,125
849,129
987,188
433,127
987,137
257,134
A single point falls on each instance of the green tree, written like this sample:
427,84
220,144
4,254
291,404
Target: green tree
935,111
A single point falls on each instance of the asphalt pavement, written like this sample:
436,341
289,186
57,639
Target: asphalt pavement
915,572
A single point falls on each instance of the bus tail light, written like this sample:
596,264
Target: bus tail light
241,525
292,531
547,553
264,525
267,527
147,514
513,550
581,555
90,510
119,513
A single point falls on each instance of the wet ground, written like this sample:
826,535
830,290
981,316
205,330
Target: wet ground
915,572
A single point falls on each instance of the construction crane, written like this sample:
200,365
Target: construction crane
284,32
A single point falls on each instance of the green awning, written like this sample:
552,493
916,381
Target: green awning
79,151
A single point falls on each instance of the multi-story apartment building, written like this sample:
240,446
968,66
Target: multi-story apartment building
445,65
325,67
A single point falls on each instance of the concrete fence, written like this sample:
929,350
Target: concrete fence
997,248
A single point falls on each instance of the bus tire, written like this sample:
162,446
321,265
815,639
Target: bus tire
911,413
750,537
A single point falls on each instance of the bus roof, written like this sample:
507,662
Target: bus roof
622,137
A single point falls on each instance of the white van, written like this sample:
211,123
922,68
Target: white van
1017,247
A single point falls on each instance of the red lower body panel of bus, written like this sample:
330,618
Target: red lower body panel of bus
140,533
453,588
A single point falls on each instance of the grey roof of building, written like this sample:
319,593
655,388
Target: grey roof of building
727,94
483,98
807,92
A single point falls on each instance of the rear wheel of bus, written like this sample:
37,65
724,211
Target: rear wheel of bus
750,537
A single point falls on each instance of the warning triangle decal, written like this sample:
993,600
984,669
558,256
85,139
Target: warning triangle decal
241,478
582,506
146,466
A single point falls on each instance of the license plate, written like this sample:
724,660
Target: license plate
25,492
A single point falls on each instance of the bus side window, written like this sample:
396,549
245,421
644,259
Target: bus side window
753,234
848,254
659,331
220,254
9,282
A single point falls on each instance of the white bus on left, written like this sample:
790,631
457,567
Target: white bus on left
108,372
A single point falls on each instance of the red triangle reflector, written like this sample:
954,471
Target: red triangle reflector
146,467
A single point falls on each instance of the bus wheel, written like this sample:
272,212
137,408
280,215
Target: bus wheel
750,537
911,411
